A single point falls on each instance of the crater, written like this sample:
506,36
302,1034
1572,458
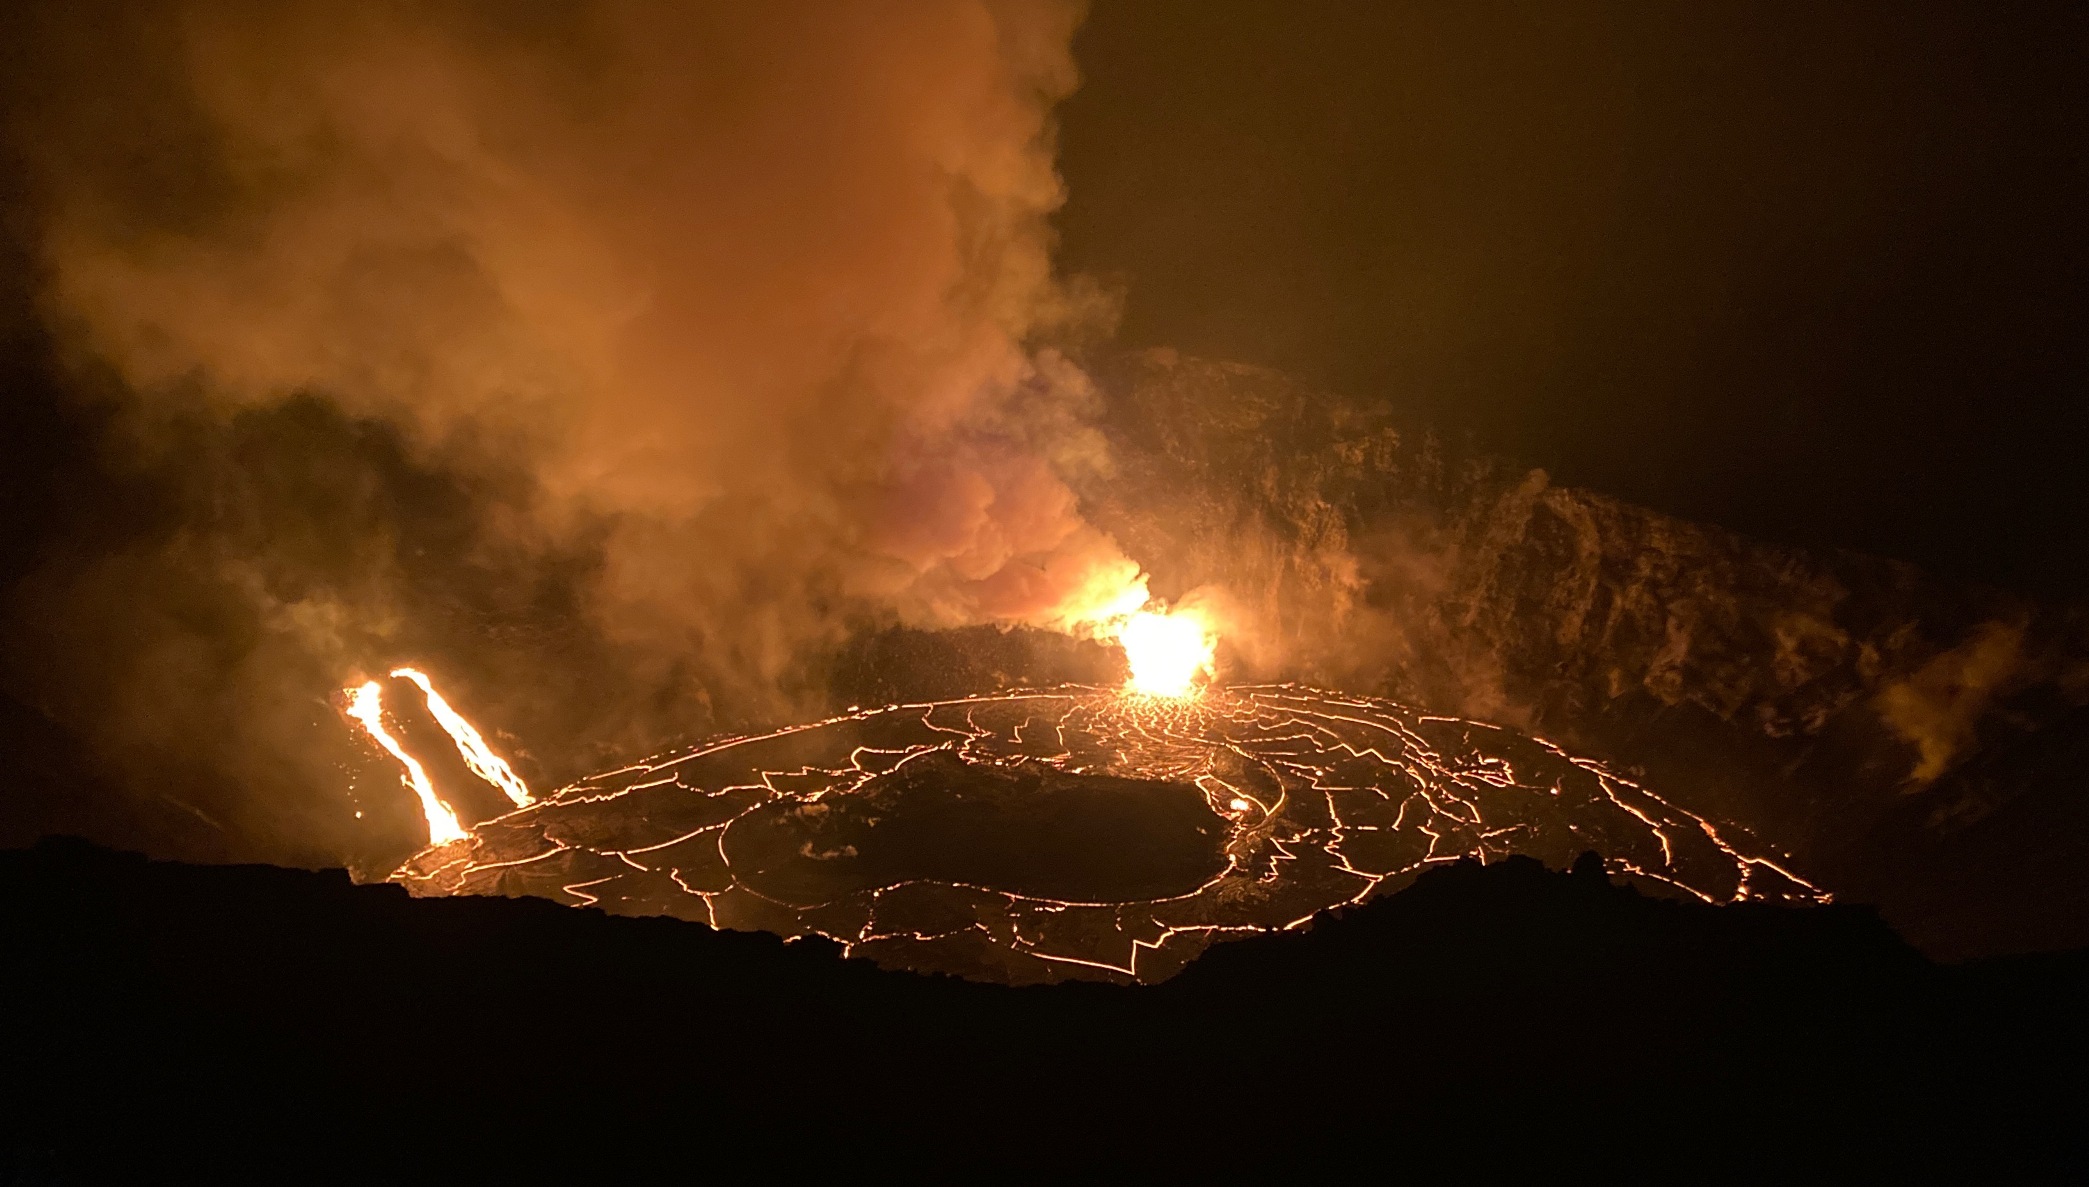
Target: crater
1022,829
971,836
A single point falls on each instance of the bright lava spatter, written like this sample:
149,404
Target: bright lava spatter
1080,832
1166,652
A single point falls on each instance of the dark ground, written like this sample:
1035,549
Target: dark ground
247,1017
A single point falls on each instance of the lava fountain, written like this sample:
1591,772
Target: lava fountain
1167,653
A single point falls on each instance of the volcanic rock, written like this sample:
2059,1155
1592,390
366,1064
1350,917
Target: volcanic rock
1884,728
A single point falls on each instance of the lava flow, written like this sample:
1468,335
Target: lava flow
365,706
477,755
1081,832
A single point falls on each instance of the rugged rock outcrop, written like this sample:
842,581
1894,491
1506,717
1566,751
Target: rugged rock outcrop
1889,729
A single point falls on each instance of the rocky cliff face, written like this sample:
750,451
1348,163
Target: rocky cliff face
1908,741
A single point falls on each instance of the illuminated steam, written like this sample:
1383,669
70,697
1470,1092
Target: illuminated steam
689,257
724,330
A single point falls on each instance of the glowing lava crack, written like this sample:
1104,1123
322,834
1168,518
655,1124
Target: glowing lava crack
1081,832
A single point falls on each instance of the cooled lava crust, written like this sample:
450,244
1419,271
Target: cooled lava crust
1082,833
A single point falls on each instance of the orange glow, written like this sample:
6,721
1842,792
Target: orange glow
1167,652
1327,799
1120,605
366,706
477,755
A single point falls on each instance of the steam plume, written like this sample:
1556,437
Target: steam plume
721,320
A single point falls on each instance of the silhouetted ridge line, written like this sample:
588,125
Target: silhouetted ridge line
183,1012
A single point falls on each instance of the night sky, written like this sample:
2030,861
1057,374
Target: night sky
1811,271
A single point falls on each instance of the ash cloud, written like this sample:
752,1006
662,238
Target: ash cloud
615,360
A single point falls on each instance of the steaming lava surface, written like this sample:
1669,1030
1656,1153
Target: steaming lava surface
1081,833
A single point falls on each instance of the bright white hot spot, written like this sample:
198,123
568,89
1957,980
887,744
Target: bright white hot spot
1167,652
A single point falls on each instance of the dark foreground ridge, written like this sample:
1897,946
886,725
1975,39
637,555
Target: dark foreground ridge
199,1015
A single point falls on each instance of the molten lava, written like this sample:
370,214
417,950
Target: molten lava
477,755
1085,833
1167,652
366,706
1078,832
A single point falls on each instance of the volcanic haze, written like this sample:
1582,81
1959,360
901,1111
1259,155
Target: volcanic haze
707,333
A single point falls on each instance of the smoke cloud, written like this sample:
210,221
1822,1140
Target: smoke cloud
1937,709
719,328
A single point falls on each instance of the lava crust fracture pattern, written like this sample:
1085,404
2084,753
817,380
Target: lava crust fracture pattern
1080,832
